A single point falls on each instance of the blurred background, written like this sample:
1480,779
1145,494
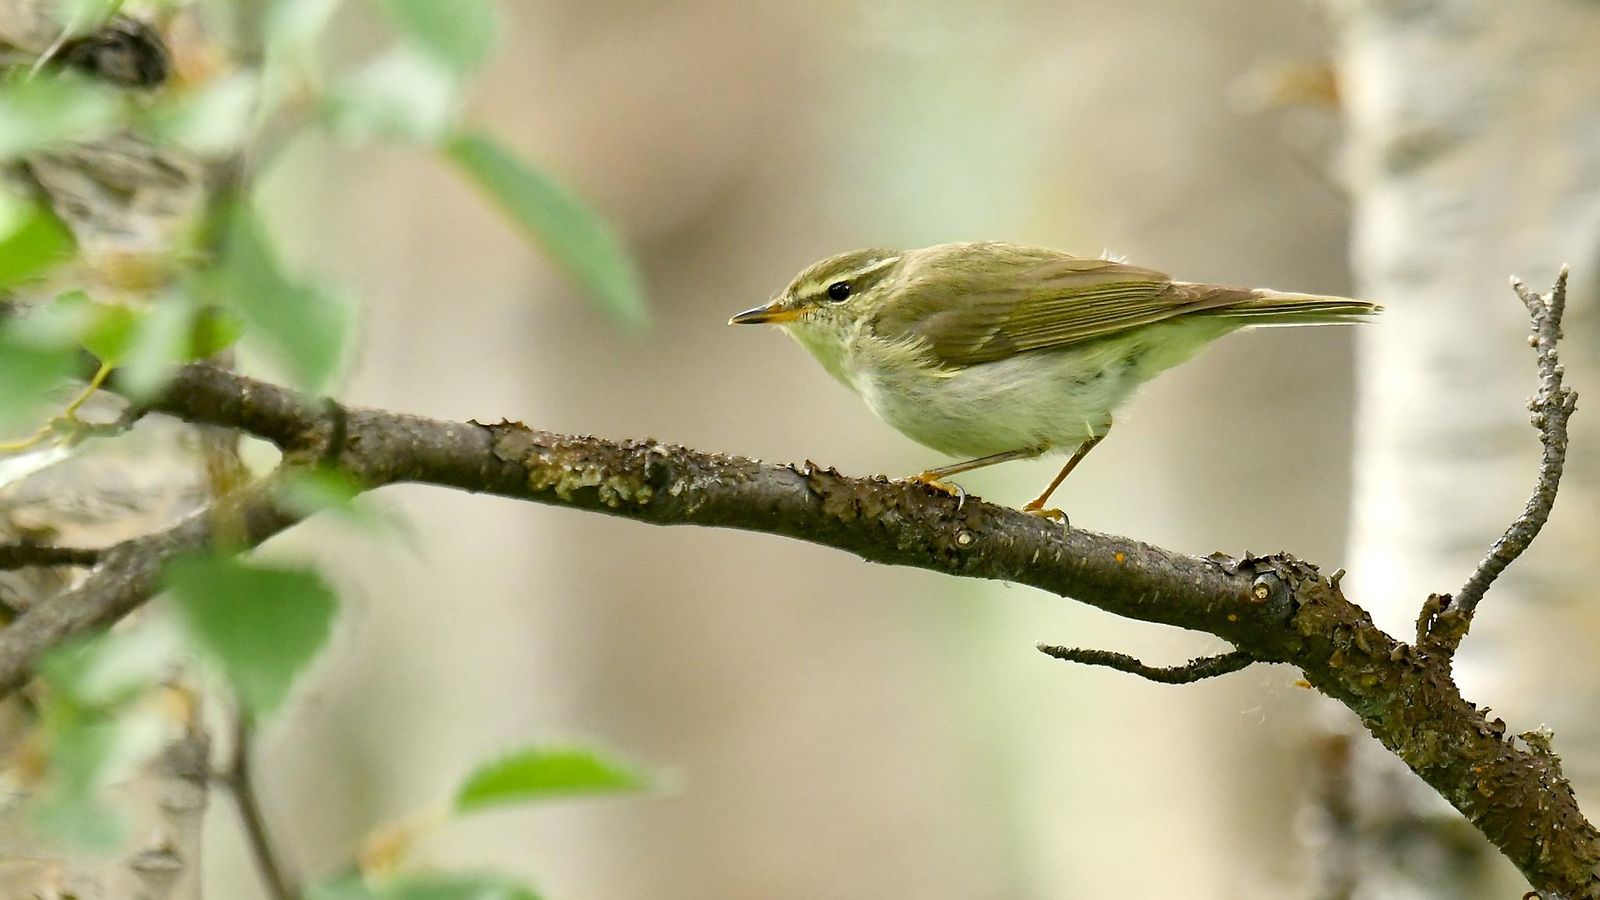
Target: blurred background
833,729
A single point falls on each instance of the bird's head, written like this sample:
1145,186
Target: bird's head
824,304
839,289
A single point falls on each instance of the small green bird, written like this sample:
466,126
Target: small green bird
995,351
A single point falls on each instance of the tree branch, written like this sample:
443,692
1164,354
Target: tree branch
127,575
1188,673
240,781
1444,621
1273,609
1551,408
22,556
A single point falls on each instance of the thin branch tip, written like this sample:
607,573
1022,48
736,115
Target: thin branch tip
1551,407
276,879
1198,669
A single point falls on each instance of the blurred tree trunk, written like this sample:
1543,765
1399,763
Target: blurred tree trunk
1474,155
128,203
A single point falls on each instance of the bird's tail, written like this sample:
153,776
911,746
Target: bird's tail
1264,307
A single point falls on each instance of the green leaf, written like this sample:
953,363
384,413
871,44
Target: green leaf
403,95
263,624
87,752
307,326
44,110
329,490
213,120
542,773
81,820
426,887
82,16
60,323
214,330
32,240
157,341
294,26
110,332
315,490
112,667
577,239
458,33
30,370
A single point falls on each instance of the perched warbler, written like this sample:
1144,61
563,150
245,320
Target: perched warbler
995,351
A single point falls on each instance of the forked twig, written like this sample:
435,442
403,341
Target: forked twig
1551,408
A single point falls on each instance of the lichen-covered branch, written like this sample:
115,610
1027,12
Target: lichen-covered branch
1444,620
1550,408
1272,609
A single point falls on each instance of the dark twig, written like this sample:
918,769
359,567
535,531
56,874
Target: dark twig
22,556
240,782
1188,673
1551,408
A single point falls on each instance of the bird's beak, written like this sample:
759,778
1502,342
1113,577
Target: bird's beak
772,313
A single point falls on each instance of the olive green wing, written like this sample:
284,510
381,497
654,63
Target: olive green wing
978,303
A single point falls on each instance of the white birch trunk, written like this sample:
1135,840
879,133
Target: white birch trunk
1475,155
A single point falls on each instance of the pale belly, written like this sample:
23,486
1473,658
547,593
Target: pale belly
1043,401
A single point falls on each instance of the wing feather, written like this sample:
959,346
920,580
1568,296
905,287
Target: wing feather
976,303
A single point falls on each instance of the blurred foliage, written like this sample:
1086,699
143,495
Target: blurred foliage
539,773
263,625
75,289
528,775
48,109
101,721
577,240
329,491
457,33
35,240
308,326
426,887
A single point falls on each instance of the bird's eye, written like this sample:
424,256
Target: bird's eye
839,291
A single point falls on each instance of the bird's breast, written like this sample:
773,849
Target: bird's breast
1043,400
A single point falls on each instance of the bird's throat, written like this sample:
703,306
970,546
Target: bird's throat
829,344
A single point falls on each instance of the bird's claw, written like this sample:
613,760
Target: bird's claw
930,480
1054,515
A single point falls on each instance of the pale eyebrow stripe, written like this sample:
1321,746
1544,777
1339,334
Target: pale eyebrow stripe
812,287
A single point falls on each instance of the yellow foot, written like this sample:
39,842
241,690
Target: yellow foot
1054,515
930,480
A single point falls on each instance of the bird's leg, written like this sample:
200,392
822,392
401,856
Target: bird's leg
1036,505
934,478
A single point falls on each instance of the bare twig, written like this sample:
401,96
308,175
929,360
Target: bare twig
240,782
1188,673
1551,408
22,556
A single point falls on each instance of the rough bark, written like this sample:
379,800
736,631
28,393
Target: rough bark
1273,609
